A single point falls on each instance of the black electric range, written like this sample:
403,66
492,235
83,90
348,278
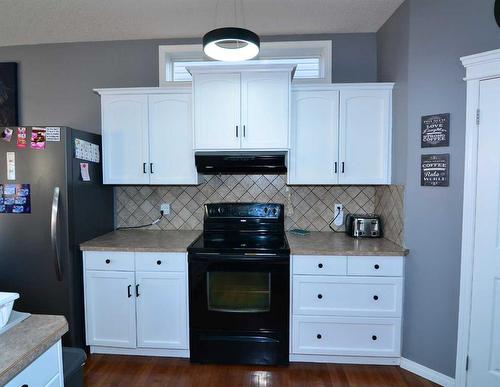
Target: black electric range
239,271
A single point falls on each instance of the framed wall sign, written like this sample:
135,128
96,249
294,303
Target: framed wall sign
435,130
8,94
435,170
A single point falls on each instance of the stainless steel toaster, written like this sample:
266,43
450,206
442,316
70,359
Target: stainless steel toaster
364,225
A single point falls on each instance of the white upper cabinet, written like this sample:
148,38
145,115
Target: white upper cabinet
365,136
217,111
314,150
341,134
171,154
265,110
147,136
241,107
125,139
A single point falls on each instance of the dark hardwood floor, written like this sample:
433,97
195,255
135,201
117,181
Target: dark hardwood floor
111,370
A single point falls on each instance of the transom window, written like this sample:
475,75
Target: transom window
313,60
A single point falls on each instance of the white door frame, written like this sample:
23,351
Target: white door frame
478,67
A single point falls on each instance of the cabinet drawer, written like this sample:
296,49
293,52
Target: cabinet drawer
347,296
160,262
319,265
347,336
375,266
109,260
42,371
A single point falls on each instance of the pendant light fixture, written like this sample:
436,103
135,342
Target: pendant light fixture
231,44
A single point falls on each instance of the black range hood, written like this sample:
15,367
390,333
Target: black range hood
240,162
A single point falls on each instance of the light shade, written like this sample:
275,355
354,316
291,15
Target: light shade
231,44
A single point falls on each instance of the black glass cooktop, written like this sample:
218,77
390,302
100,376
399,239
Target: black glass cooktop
240,243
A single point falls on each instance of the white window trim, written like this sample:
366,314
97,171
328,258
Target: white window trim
268,50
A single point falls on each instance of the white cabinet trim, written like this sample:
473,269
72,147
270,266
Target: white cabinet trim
479,66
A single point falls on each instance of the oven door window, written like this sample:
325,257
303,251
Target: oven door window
239,292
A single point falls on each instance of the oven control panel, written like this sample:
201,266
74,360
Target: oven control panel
244,210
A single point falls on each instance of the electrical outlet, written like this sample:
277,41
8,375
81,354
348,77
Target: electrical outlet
289,203
339,214
165,207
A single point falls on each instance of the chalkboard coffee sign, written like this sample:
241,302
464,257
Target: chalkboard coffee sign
436,130
435,170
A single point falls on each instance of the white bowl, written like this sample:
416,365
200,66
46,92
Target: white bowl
6,304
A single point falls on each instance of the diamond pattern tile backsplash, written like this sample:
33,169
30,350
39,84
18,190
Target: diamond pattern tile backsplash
389,203
306,207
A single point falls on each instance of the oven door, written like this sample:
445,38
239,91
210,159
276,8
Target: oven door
239,292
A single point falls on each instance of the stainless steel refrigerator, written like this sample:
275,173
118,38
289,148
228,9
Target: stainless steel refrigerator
39,251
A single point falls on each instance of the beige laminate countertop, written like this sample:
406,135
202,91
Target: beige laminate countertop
316,243
142,240
330,243
23,343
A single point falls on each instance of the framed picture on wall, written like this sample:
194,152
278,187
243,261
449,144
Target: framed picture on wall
8,94
435,130
435,170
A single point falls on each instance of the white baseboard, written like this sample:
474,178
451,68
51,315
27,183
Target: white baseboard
344,359
140,351
427,373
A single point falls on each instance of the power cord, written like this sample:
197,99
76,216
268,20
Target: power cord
144,225
333,221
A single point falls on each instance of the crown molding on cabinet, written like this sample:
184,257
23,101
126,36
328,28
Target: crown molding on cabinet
344,86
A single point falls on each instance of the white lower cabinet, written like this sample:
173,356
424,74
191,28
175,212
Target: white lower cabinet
348,336
110,308
341,296
161,310
346,306
343,309
45,371
131,310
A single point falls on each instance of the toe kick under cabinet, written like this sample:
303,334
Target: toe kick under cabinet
136,303
346,309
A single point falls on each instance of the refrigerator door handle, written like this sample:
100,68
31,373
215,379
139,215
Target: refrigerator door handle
53,233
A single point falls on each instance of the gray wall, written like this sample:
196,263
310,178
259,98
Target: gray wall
56,80
439,33
392,45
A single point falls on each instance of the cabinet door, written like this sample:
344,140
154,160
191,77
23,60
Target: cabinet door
162,310
265,107
171,155
110,308
314,150
217,111
365,136
45,370
125,139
